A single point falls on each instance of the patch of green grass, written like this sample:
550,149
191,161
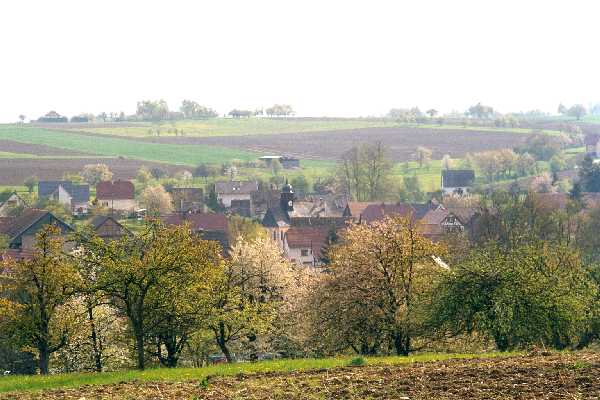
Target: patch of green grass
7,154
191,155
357,362
34,383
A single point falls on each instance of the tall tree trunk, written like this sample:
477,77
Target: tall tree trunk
223,343
401,343
139,344
94,337
44,358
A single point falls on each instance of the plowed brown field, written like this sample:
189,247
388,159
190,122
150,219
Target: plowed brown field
558,376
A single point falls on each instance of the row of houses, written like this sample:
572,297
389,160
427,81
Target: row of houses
302,229
117,195
21,231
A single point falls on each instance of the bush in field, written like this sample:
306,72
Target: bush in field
96,173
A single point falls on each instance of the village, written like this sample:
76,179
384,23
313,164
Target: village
301,226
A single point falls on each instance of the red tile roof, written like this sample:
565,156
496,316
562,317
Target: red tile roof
377,212
118,190
199,222
357,207
307,238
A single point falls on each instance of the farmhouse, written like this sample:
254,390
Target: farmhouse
441,221
12,201
21,230
209,226
108,228
287,162
288,213
118,195
457,181
234,190
304,245
76,197
592,145
53,116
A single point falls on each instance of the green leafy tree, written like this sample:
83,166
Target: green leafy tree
589,175
558,163
158,280
529,294
37,289
31,183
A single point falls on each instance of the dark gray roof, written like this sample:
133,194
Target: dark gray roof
46,188
15,226
275,217
79,193
99,220
236,187
457,177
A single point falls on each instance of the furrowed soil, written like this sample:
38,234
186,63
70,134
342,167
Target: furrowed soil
37,149
557,376
400,142
15,171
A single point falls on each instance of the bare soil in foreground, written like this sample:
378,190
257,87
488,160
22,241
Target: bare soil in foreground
557,376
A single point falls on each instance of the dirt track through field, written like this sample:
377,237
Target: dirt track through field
552,377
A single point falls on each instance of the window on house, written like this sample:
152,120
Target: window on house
274,235
304,252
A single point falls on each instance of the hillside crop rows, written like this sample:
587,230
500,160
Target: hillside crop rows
400,142
555,376
15,171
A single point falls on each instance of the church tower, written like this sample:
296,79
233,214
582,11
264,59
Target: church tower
287,197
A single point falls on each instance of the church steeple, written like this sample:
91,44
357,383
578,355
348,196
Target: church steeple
287,197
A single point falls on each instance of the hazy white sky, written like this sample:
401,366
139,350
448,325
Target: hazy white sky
337,58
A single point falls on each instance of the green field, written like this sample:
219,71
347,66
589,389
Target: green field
34,383
235,126
190,155
267,126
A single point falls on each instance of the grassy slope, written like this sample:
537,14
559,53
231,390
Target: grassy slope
169,153
32,383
